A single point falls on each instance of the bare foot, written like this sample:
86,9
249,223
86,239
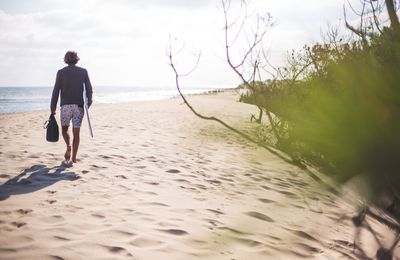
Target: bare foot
67,154
67,164
73,160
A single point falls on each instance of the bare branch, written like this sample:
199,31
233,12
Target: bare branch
169,50
353,9
243,5
362,17
212,118
375,17
194,66
258,37
171,53
350,27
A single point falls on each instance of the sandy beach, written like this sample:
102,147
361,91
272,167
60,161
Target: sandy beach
156,182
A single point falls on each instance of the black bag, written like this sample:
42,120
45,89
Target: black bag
51,125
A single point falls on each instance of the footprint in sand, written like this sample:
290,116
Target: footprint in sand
181,180
98,216
61,238
142,242
176,232
213,222
249,242
273,237
24,211
54,219
118,234
259,216
200,186
128,210
153,183
98,167
288,194
214,182
173,171
303,235
266,201
119,156
217,212
226,179
298,183
8,250
234,231
266,187
304,250
118,250
157,204
284,185
344,244
18,224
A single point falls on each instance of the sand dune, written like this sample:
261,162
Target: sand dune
158,183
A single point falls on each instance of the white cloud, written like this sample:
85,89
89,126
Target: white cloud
123,42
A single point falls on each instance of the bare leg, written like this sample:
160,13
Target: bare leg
75,143
67,139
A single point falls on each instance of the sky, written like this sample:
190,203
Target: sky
124,42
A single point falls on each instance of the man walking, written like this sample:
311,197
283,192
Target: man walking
69,85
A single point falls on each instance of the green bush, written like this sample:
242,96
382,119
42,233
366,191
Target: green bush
343,116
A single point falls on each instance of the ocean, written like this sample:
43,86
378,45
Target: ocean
23,99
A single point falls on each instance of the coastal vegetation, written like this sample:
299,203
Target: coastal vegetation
335,106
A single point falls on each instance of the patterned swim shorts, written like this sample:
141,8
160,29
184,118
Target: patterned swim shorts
71,112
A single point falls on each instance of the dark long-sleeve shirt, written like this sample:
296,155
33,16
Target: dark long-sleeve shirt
69,82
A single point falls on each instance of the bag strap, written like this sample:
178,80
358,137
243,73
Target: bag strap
46,124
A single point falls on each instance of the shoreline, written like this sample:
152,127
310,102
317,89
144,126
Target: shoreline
205,92
156,182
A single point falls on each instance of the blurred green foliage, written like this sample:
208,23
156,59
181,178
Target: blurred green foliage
337,107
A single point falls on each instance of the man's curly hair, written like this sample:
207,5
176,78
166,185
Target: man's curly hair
71,58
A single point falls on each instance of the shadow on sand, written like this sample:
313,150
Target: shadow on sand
35,178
